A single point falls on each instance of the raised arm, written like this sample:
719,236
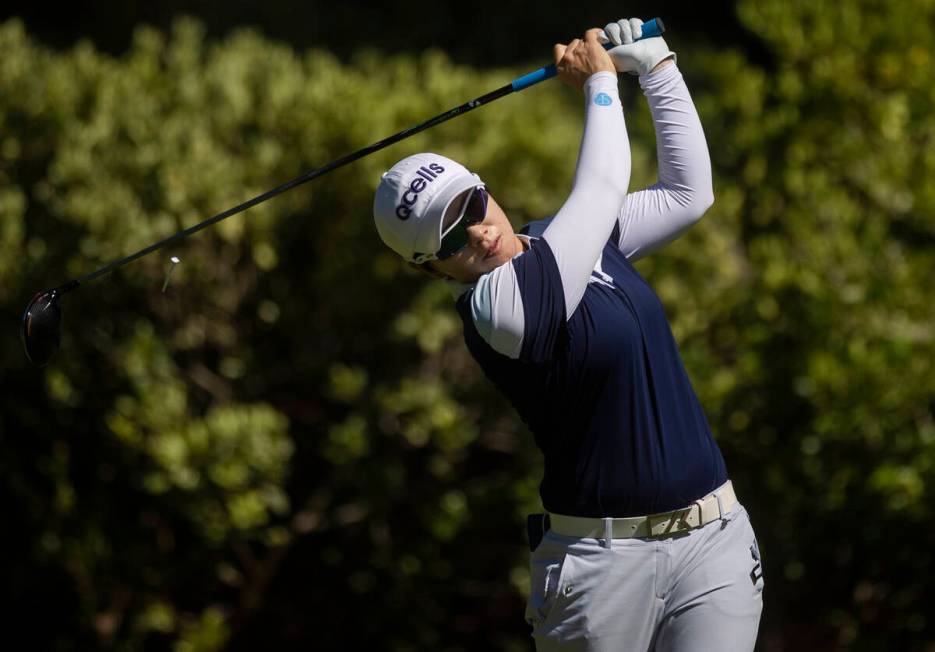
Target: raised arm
520,308
580,229
655,216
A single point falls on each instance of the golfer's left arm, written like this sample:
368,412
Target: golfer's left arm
652,217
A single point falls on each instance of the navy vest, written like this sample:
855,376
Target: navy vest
605,393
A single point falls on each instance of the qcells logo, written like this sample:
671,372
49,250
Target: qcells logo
603,99
424,176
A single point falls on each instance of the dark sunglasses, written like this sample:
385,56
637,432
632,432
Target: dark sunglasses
473,211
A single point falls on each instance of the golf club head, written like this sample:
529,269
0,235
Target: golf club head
41,330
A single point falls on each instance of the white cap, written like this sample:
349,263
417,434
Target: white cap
412,198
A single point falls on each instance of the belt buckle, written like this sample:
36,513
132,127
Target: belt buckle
677,521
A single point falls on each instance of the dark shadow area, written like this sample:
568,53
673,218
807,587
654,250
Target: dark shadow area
482,33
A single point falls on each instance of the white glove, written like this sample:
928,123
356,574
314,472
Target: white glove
630,55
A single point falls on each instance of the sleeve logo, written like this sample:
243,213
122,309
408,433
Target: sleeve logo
603,99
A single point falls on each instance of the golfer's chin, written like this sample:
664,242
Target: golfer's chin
498,259
469,269
481,266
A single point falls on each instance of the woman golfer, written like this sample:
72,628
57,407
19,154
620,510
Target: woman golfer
646,546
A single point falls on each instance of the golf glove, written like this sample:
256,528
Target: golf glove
630,55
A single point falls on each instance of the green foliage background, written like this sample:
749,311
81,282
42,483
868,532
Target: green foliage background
291,446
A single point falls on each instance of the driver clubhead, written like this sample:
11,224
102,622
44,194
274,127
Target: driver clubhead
41,327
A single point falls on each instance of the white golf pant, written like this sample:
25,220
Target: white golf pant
696,591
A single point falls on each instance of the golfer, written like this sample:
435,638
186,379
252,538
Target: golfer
645,545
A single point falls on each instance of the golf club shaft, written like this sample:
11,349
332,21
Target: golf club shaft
650,28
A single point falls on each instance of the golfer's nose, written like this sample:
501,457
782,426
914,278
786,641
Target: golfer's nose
477,233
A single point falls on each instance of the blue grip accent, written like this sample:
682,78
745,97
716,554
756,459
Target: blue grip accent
535,77
650,28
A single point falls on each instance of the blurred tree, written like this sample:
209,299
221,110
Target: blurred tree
291,447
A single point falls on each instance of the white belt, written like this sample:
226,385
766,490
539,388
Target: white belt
701,512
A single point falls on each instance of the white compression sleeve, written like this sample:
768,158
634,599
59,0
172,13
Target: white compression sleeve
652,217
582,226
578,232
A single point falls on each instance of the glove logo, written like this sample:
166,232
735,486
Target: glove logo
603,99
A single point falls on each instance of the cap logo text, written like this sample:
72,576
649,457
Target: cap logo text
424,176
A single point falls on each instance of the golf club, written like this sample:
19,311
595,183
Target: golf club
41,322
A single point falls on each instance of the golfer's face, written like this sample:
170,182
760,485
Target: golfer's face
490,244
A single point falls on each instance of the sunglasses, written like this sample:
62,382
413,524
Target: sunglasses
473,210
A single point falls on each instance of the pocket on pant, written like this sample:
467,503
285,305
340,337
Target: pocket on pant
549,575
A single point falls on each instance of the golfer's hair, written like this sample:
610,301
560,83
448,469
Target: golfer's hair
428,268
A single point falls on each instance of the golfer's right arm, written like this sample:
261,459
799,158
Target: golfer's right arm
581,228
520,308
